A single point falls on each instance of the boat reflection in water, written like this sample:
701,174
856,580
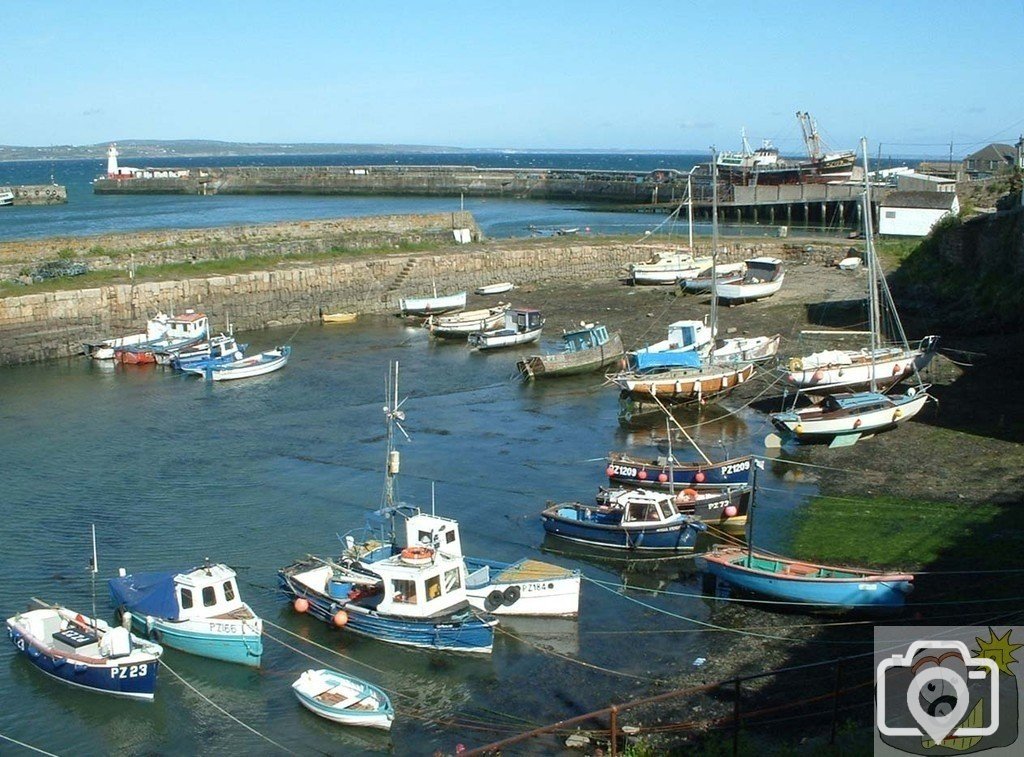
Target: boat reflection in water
715,421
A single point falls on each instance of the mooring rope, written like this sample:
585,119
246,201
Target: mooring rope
27,746
217,707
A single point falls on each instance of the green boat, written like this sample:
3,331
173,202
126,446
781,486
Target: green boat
584,350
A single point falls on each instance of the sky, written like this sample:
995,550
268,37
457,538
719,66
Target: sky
595,74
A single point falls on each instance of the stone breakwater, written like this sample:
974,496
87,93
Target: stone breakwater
54,324
35,194
113,251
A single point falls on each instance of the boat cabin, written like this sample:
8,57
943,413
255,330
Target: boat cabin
587,338
761,270
191,325
692,335
432,531
420,582
639,506
207,591
522,320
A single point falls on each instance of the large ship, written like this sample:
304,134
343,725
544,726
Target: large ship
765,166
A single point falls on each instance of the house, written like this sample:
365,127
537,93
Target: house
913,181
991,160
914,214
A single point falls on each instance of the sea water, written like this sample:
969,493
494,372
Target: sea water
255,473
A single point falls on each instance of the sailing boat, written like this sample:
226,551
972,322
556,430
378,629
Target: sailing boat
883,365
844,417
678,374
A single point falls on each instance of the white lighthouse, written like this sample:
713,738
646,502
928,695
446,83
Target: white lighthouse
112,161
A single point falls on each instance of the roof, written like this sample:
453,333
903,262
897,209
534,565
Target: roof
929,200
188,317
994,151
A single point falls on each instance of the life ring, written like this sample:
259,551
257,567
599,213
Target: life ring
417,555
511,595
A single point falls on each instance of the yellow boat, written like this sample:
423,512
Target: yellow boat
338,317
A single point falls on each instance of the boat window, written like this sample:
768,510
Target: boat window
423,537
404,591
635,511
433,587
229,590
453,580
449,537
209,596
186,599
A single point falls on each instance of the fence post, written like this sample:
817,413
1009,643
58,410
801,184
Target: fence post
614,731
835,701
736,718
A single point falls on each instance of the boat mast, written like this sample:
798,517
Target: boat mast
394,415
93,569
869,234
714,247
689,207
671,460
750,509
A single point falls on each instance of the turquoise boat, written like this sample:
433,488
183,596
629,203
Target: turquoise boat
783,579
198,611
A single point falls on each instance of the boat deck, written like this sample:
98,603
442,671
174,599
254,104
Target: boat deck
532,570
802,570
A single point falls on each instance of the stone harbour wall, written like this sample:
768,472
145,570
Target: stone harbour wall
54,324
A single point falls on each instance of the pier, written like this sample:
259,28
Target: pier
33,194
657,191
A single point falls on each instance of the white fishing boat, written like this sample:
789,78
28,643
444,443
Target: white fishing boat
500,288
845,417
461,325
527,587
666,268
156,327
745,349
422,306
726,273
344,699
257,365
522,326
763,278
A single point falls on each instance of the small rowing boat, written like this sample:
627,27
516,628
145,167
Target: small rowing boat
344,699
500,288
257,365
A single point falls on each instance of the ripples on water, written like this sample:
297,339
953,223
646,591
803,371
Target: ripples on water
256,473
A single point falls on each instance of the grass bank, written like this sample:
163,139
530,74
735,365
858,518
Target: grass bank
909,534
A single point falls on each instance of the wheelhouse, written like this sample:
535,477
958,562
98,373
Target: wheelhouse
207,591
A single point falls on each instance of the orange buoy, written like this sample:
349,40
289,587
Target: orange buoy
417,555
301,604
340,618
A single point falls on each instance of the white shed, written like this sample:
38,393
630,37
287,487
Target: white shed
914,214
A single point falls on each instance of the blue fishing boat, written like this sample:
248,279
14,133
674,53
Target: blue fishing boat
246,367
665,472
86,653
414,596
344,699
198,611
788,580
219,350
647,523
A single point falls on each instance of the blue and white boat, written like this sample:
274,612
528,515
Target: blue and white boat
257,365
413,596
344,699
86,653
788,580
649,522
198,611
219,350
664,473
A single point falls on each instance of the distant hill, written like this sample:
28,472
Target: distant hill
188,148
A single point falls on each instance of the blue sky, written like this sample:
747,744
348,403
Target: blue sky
648,75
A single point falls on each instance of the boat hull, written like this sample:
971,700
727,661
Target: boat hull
808,428
573,363
196,637
523,589
460,632
495,341
135,680
735,294
433,305
888,370
258,365
793,584
560,520
680,387
625,470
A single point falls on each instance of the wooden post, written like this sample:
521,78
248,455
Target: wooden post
614,747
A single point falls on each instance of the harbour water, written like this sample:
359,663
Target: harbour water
256,473
89,214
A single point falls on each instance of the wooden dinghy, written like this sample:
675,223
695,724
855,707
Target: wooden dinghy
338,317
461,325
500,288
344,699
